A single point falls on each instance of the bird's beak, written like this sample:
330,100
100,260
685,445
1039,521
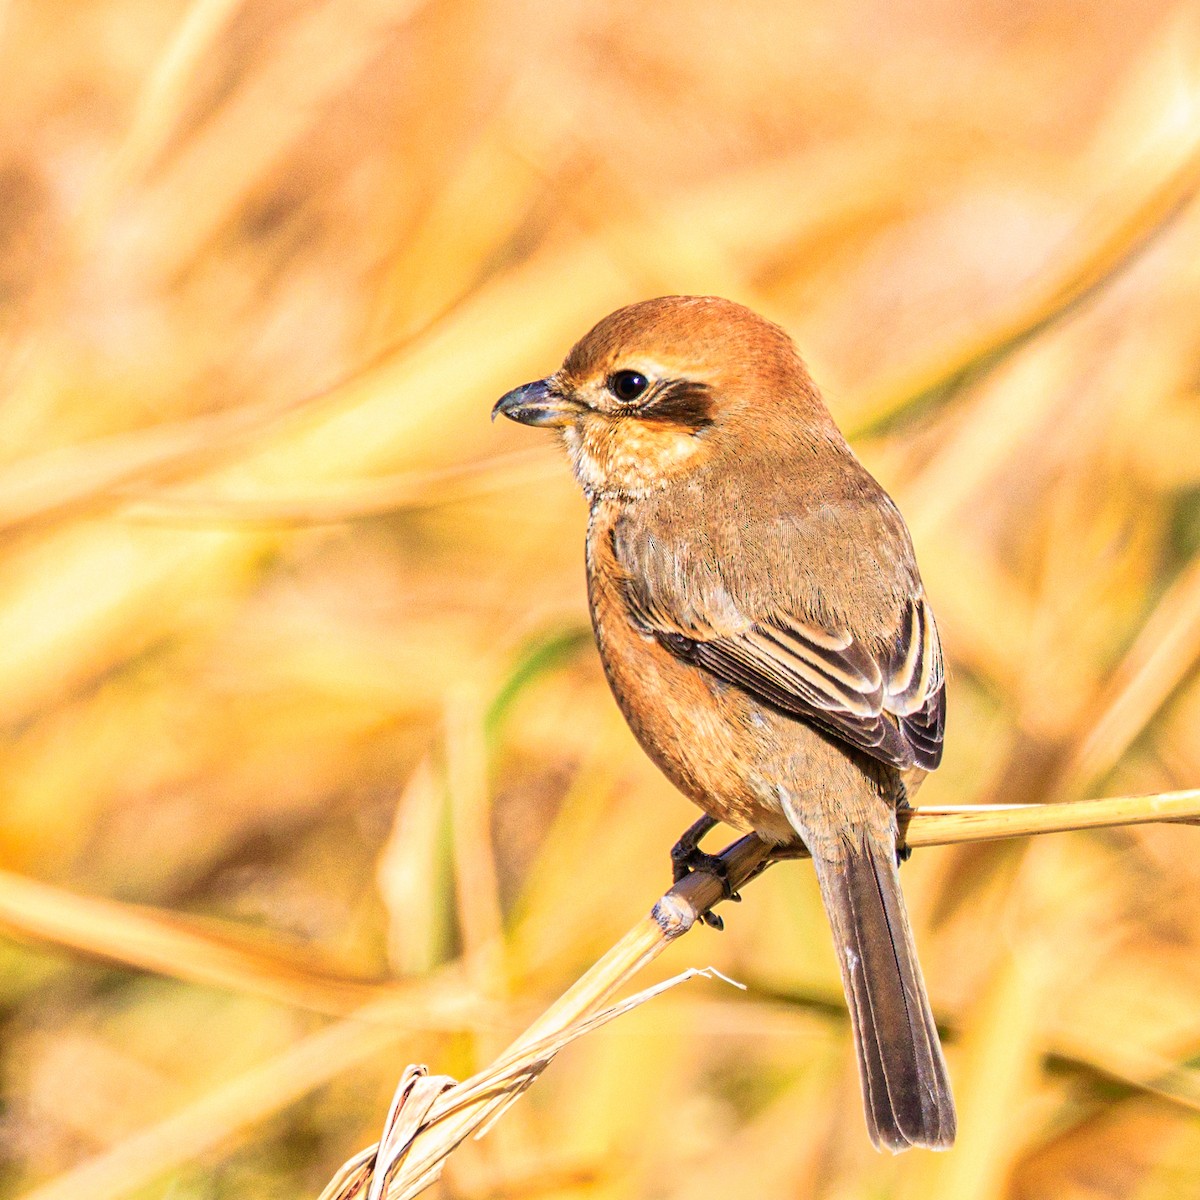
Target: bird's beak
537,403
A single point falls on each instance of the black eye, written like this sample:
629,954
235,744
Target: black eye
627,385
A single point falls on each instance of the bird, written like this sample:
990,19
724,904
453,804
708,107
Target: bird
762,623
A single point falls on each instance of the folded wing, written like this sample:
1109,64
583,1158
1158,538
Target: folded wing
889,703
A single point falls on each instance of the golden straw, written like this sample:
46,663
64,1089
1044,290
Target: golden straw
469,1107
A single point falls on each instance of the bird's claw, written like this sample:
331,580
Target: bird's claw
686,857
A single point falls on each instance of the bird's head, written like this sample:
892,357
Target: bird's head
658,388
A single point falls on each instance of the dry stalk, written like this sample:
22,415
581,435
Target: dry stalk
431,1115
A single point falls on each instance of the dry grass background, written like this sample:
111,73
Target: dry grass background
309,770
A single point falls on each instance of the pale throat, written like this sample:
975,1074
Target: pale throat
628,457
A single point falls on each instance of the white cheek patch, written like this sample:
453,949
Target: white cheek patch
587,469
627,456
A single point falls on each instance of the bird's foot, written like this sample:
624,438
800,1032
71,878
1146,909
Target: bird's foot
687,848
686,857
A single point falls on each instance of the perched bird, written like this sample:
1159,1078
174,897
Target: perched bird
762,622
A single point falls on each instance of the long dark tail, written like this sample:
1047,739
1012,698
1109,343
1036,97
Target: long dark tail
906,1090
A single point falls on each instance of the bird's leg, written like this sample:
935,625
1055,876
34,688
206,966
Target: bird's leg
903,850
686,857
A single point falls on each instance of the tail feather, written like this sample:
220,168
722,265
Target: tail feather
906,1090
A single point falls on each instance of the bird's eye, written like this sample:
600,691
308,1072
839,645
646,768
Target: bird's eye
627,385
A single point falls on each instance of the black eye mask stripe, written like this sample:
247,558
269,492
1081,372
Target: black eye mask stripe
679,402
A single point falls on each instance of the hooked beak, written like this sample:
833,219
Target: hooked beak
537,403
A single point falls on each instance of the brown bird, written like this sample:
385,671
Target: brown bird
762,622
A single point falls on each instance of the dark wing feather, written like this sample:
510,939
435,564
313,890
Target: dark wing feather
891,704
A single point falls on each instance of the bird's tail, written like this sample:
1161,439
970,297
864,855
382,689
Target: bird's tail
906,1090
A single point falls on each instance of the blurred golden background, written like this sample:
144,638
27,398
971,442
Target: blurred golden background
298,700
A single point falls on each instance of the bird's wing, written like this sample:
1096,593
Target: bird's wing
889,703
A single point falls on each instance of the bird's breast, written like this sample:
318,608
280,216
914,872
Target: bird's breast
714,742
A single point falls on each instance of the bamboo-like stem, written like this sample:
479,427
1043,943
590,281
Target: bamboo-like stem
945,826
466,1107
